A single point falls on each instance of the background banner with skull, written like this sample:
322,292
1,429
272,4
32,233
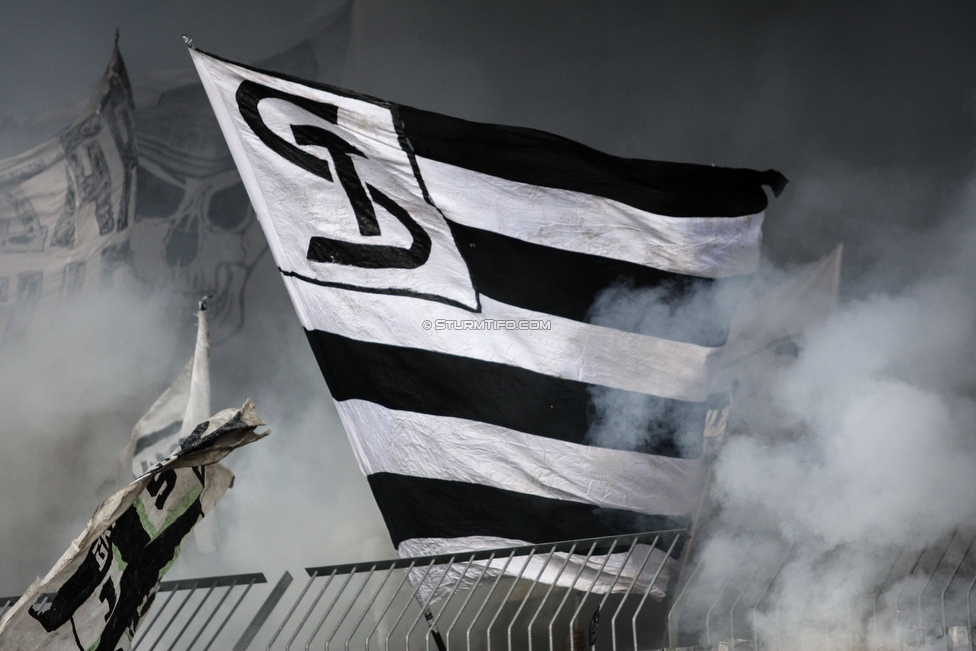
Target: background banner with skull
66,207
106,581
195,229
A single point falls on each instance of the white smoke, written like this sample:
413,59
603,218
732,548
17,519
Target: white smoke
627,420
69,393
864,447
72,389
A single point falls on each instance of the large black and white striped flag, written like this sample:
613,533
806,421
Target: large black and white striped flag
445,273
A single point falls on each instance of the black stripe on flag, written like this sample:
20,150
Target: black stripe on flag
418,507
155,437
566,283
539,158
438,384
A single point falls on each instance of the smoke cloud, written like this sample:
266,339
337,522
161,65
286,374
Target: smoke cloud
865,445
845,490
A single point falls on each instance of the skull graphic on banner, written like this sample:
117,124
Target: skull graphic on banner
195,232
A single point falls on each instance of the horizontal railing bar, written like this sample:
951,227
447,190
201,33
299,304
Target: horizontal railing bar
182,584
212,582
485,554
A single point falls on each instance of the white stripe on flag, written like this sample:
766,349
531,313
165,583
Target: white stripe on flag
559,347
708,247
438,447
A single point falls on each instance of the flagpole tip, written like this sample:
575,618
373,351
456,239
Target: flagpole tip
188,41
203,302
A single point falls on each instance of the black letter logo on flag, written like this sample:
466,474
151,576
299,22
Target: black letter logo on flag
324,249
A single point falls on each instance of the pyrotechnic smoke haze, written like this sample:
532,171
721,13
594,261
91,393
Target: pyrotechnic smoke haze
865,446
865,441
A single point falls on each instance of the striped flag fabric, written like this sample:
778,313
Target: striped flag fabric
172,418
446,274
175,413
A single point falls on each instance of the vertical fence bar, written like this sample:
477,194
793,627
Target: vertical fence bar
145,631
898,599
874,619
850,625
935,570
433,624
613,583
308,612
779,630
640,571
528,594
328,611
755,632
650,587
969,612
586,595
538,610
175,615
211,616
260,617
735,571
498,612
352,602
369,606
231,614
484,604
945,630
736,603
406,606
572,586
474,588
424,608
616,577
389,604
192,617
291,611
672,626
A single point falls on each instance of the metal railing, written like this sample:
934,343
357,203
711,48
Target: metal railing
561,596
530,597
596,593
921,600
198,617
190,613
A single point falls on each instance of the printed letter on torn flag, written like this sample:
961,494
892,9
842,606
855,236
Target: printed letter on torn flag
106,581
